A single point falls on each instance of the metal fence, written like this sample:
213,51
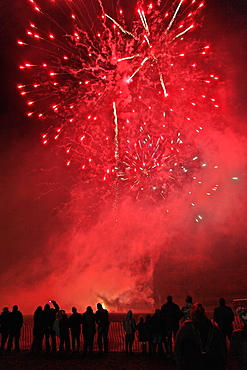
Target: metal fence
116,337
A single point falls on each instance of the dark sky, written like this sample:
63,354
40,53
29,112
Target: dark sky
226,21
30,211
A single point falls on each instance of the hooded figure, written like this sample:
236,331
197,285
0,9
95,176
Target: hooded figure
199,343
238,345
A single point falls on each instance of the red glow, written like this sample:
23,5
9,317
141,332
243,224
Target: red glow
152,149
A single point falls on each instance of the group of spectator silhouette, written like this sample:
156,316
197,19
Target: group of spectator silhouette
10,328
51,322
198,342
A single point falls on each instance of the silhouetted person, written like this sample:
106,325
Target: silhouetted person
88,330
186,308
75,321
102,320
199,343
55,326
64,332
148,333
224,317
49,318
38,329
141,329
16,323
238,344
5,318
129,326
171,315
157,328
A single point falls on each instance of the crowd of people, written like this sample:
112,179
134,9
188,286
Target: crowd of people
197,342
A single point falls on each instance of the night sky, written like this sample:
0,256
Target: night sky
48,253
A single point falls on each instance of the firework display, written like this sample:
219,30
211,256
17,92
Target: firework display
121,100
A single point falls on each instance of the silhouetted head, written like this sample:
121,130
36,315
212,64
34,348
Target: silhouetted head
38,309
242,312
169,298
188,299
89,309
129,314
60,314
99,306
6,309
197,312
47,307
141,318
222,302
15,308
74,309
157,312
148,317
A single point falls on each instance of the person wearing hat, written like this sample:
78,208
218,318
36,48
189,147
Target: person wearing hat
238,344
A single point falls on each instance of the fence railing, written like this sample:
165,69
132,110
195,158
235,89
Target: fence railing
116,337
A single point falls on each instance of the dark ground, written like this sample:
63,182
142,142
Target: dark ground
115,360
